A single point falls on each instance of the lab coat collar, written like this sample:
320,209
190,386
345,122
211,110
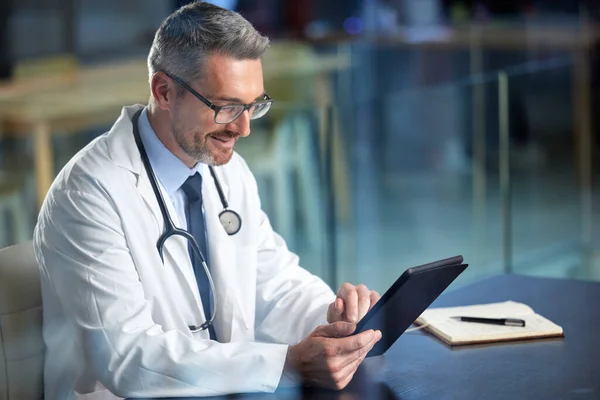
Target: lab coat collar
121,144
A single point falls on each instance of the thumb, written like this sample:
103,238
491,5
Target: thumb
336,330
335,310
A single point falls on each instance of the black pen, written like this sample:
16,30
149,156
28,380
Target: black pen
494,321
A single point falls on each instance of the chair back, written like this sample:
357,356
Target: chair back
21,342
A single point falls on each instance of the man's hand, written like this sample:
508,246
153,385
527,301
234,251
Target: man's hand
352,303
328,357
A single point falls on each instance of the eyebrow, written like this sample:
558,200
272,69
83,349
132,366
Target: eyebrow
237,99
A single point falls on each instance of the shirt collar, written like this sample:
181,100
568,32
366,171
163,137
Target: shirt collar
169,170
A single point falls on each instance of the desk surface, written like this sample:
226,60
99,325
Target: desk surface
419,366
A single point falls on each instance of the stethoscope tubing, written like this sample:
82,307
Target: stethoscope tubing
172,230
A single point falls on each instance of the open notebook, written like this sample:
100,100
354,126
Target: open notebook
439,321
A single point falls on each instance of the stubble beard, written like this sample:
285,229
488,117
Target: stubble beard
198,148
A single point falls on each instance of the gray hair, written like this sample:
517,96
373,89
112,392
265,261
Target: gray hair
190,34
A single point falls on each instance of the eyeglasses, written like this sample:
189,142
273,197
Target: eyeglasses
230,112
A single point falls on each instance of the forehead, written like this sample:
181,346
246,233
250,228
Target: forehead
228,77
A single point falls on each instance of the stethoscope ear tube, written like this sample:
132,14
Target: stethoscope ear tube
231,221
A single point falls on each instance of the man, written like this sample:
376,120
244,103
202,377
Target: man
125,315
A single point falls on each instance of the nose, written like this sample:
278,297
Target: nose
241,124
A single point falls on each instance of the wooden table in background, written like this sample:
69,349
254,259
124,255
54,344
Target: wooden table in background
42,106
94,97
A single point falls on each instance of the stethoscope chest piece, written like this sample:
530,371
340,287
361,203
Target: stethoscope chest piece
231,221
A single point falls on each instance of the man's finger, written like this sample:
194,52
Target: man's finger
337,330
350,344
374,298
332,315
361,352
348,293
335,311
364,300
339,305
350,365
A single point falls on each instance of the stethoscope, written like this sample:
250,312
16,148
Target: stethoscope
231,221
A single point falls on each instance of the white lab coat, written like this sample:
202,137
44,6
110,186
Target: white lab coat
116,319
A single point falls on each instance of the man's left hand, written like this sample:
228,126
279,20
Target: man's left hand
352,303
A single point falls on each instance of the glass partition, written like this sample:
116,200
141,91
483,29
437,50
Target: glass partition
415,189
431,172
544,233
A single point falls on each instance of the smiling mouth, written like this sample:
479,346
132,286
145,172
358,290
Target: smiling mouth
223,139
224,142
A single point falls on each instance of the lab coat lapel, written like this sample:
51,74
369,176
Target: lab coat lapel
229,317
145,190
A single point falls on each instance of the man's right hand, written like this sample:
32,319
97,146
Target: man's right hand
329,357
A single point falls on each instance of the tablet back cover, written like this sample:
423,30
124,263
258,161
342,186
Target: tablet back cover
406,300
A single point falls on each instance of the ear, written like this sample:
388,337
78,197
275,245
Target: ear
164,90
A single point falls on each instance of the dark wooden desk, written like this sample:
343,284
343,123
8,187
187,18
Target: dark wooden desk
419,366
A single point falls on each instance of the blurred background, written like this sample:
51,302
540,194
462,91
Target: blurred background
403,130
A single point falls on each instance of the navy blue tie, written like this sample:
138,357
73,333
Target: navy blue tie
197,227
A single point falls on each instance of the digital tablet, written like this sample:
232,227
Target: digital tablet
407,298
